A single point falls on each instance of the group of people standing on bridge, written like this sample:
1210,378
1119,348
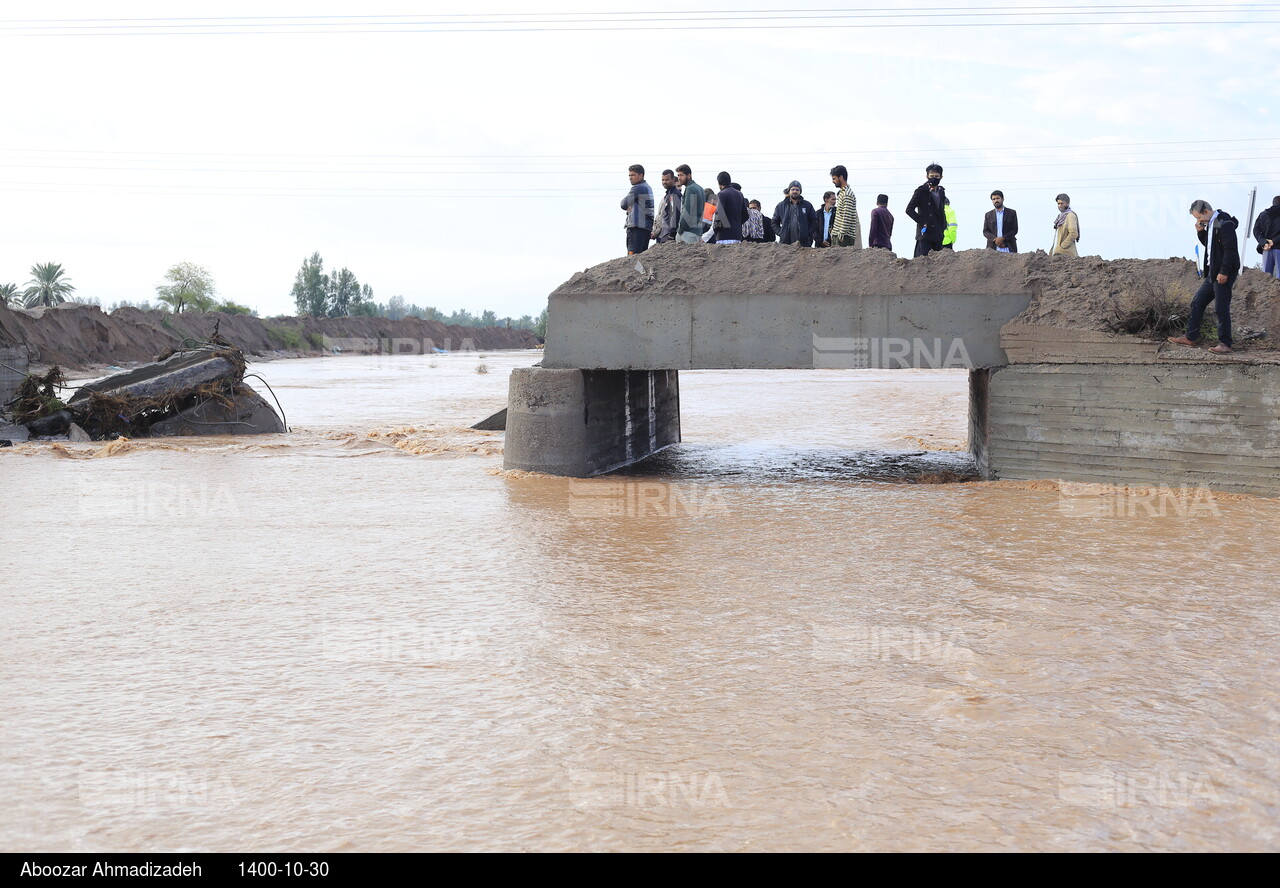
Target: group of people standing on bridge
688,213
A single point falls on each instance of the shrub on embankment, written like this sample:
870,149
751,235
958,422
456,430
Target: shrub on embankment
78,336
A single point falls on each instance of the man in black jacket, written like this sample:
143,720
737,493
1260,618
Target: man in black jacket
1266,231
1217,231
668,211
1000,226
926,210
795,220
732,208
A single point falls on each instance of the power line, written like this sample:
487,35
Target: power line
1023,16
833,153
460,171
268,191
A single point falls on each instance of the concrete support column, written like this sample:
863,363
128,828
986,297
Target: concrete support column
979,414
587,422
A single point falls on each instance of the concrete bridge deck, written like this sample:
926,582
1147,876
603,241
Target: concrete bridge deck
1054,402
694,331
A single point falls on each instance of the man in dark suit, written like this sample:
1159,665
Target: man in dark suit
1000,227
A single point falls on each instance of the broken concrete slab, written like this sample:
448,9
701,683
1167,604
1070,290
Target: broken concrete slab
495,423
77,434
249,414
184,370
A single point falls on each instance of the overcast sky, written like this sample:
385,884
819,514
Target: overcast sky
476,159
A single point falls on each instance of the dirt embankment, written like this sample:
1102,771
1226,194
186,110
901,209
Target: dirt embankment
81,336
1083,293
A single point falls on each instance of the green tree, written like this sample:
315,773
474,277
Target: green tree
487,319
144,305
234,308
395,308
311,287
344,289
9,294
362,304
47,285
190,288
540,328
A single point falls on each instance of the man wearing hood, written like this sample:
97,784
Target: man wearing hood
795,220
927,209
1217,231
1266,231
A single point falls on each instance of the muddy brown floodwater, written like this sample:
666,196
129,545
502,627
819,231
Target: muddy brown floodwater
365,636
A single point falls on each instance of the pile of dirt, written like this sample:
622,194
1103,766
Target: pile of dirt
82,336
1083,293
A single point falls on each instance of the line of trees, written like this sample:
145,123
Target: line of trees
48,286
340,294
190,287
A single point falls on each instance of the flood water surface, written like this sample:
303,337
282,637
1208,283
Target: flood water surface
366,636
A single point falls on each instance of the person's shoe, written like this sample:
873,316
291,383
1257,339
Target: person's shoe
1182,340
1221,349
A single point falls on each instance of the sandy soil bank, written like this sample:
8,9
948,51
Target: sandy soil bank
81,337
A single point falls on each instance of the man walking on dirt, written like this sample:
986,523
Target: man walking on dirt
1217,231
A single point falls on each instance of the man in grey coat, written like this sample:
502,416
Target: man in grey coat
638,205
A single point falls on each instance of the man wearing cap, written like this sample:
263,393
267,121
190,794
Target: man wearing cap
795,220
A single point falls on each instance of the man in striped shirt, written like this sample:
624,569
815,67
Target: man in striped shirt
846,230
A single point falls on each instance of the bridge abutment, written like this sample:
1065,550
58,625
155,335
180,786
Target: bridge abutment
581,423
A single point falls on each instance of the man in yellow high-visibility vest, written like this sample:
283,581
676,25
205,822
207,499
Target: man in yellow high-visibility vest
949,239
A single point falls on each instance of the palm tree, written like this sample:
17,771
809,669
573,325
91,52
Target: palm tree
9,294
47,286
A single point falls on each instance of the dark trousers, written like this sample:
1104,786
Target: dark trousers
923,246
637,240
1220,296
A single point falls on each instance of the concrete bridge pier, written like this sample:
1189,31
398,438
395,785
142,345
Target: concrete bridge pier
582,423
